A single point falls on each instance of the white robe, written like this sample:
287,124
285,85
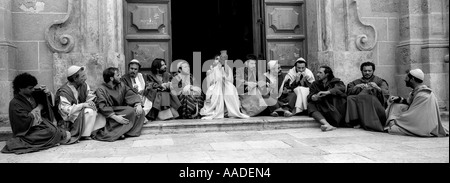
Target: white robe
302,92
220,94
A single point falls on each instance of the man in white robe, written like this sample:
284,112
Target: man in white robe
300,78
222,94
135,80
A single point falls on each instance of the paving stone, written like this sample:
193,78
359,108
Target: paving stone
396,157
434,143
273,144
188,157
186,148
102,160
137,159
159,158
149,143
221,146
281,153
345,148
346,158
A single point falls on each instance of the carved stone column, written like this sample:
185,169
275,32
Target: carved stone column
91,36
424,44
344,41
8,52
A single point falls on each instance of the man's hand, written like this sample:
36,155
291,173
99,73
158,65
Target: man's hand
374,85
139,109
315,98
90,104
120,119
323,93
362,85
262,84
46,91
197,89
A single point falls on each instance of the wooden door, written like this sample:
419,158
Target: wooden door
285,30
147,30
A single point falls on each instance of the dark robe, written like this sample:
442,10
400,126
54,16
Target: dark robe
331,107
189,103
27,138
287,100
366,107
119,100
75,128
162,98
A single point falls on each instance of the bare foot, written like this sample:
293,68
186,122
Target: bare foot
326,128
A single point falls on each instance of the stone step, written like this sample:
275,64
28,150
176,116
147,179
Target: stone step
228,124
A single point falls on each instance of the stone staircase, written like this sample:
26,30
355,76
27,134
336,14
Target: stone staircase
220,125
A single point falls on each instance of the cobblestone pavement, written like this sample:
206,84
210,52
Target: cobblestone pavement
303,145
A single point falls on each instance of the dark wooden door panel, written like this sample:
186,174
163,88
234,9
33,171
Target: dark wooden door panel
147,31
285,27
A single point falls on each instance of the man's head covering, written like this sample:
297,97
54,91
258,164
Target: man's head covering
417,73
73,70
272,64
134,61
301,59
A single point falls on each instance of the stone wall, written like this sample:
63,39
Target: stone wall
7,57
384,15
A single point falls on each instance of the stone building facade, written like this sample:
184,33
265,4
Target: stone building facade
44,37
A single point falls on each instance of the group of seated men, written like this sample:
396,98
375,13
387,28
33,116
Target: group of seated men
121,105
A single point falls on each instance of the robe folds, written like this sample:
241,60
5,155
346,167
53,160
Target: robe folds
252,102
300,87
26,137
74,121
191,101
221,95
279,95
119,100
333,106
162,99
141,89
366,107
421,117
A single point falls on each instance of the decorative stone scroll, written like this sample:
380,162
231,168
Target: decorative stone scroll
59,37
366,34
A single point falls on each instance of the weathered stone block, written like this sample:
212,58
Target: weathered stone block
6,96
380,25
385,6
2,24
5,4
438,82
347,64
27,56
434,55
393,29
40,6
32,26
45,57
387,53
387,72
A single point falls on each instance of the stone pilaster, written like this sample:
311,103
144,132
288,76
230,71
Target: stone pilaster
91,36
424,44
7,57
